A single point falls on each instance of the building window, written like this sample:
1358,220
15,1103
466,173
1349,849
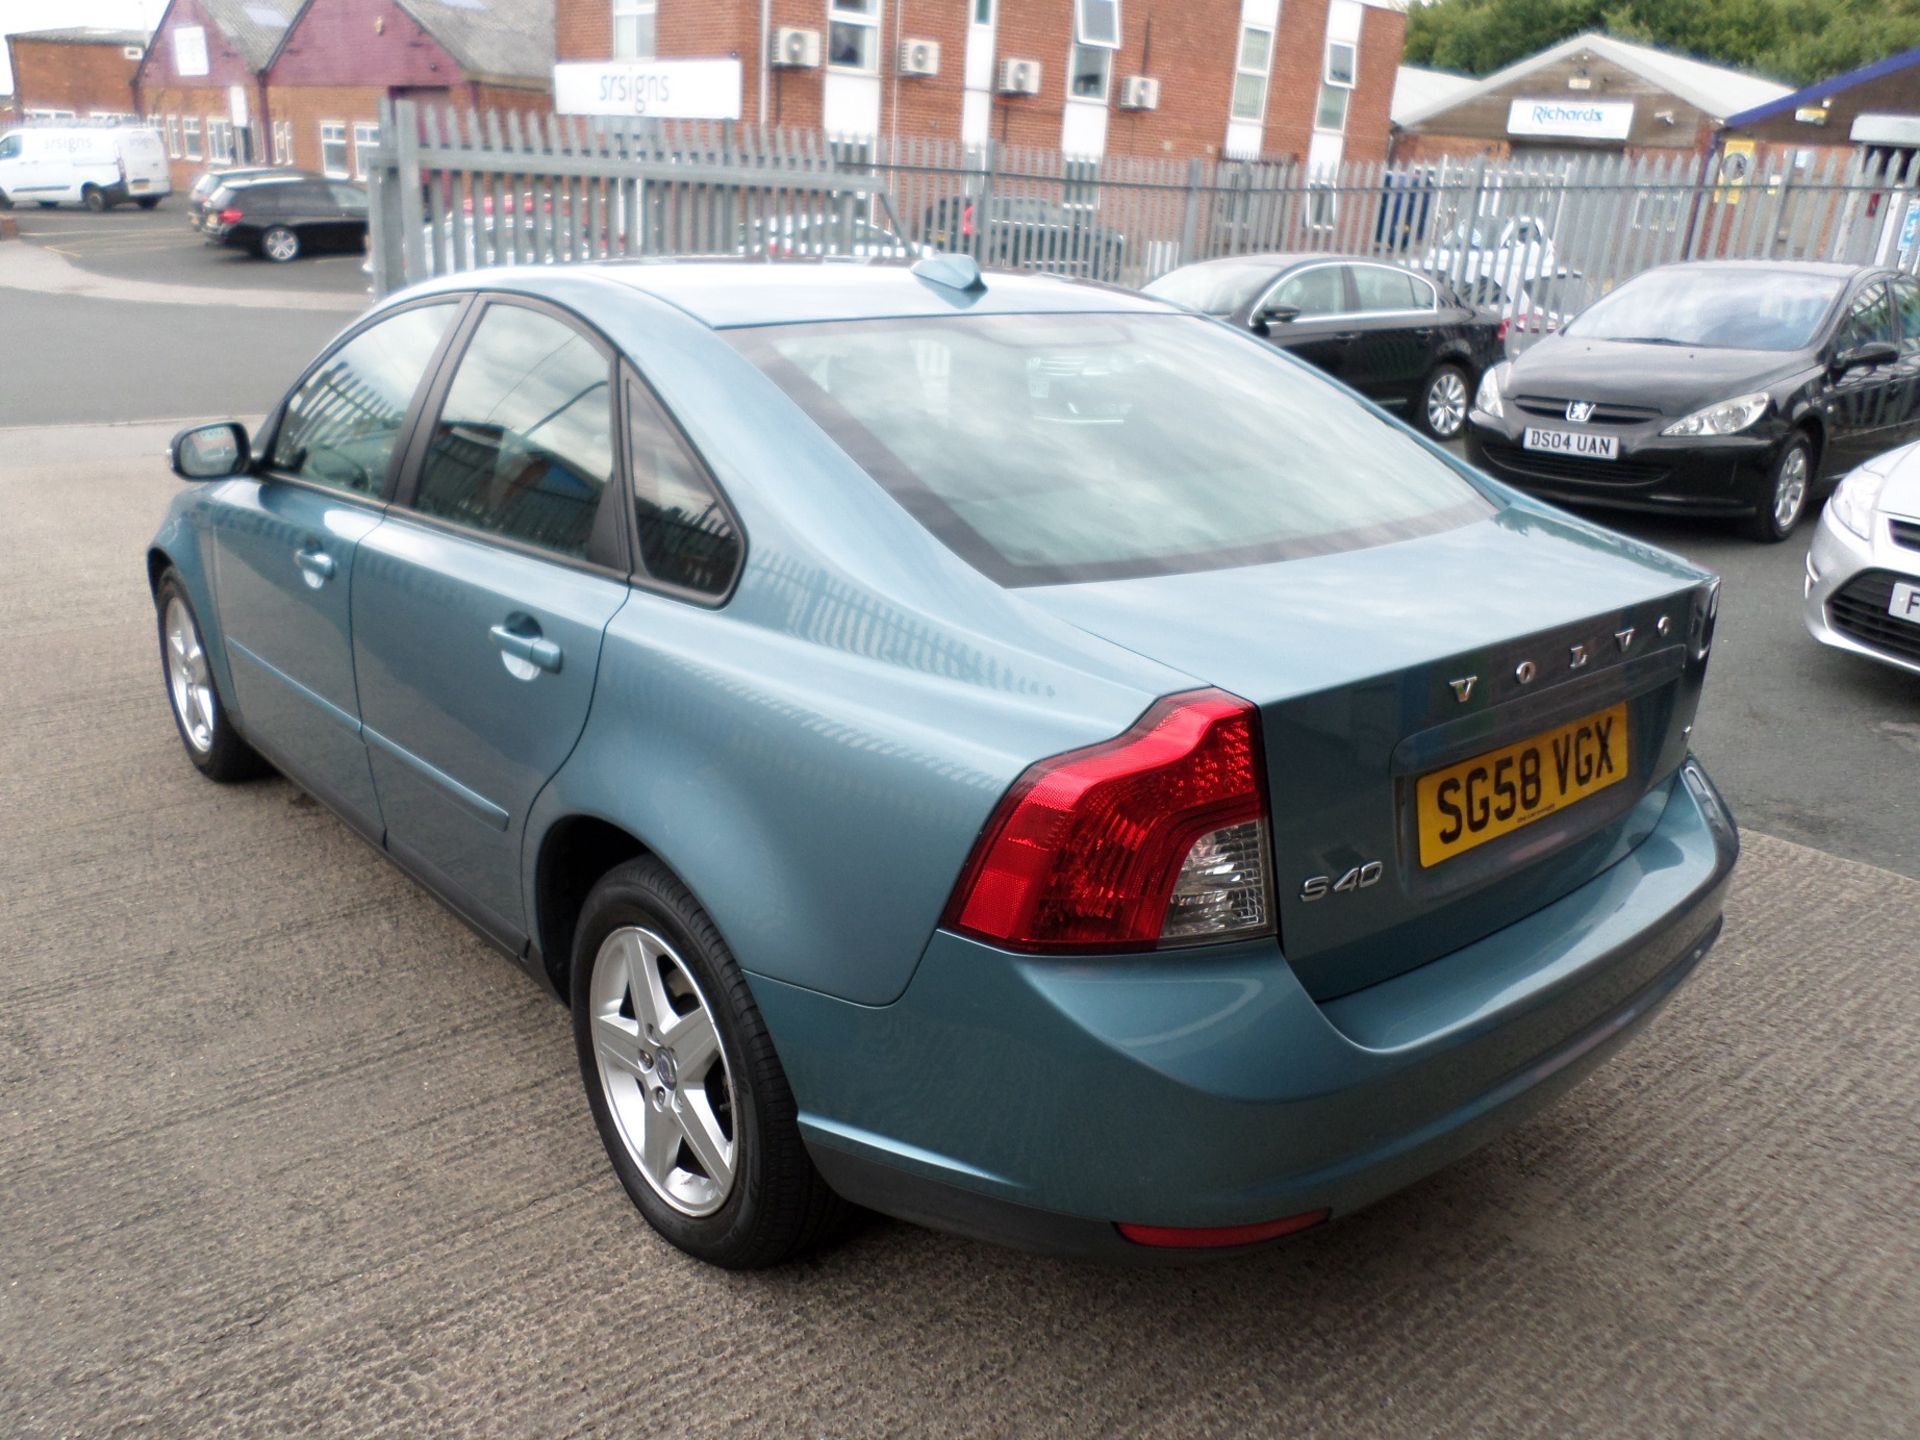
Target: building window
219,141
853,34
283,142
366,136
633,29
1332,111
1343,61
1322,207
1097,22
1089,71
1251,71
333,149
1657,210
983,12
173,136
190,136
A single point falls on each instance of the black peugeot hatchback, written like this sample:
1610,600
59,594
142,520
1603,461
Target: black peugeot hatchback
1718,387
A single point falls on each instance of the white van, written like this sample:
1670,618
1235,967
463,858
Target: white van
97,166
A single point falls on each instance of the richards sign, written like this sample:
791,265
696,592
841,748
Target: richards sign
1571,119
653,89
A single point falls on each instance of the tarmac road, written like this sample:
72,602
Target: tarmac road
284,1150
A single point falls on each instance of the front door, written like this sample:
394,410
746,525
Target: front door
478,607
1321,334
1869,402
284,546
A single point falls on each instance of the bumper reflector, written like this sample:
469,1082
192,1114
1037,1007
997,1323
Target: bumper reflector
1181,1237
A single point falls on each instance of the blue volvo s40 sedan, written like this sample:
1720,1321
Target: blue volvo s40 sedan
1003,752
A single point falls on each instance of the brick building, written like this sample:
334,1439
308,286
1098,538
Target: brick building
340,58
83,73
1310,80
1588,94
201,84
1872,113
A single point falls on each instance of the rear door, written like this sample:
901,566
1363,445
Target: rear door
284,546
1395,320
1322,333
348,224
478,607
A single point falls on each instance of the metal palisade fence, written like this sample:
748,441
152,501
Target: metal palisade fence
1533,239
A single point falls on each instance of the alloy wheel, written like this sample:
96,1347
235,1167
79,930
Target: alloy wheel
1447,404
663,1071
189,682
280,245
1790,488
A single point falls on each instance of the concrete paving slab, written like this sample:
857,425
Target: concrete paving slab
283,1149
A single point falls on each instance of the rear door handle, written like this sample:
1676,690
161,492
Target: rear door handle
318,565
1347,337
536,650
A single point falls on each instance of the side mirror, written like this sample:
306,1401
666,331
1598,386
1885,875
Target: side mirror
211,452
1275,315
1864,357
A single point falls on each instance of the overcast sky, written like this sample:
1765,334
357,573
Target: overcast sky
58,14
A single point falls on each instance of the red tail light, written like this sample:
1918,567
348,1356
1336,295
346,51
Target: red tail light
230,217
966,221
1178,1237
1506,328
1156,837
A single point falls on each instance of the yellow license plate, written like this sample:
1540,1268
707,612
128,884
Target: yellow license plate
1496,793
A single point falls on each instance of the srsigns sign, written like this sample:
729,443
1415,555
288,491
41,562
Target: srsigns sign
1571,119
650,89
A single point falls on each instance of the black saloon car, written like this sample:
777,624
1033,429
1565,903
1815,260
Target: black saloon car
1404,340
1718,387
212,180
284,217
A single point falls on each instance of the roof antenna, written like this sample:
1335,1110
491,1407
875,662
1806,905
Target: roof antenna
954,272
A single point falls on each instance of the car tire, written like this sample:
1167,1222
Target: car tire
95,199
642,934
279,244
199,710
1441,411
49,204
1782,504
6,201
147,202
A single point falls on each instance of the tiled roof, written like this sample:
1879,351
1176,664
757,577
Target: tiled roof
503,39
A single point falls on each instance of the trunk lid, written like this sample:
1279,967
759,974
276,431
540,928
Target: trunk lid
1352,659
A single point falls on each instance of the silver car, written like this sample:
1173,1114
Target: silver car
1863,569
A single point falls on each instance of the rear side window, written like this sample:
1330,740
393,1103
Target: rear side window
341,425
687,538
1049,449
1379,288
523,446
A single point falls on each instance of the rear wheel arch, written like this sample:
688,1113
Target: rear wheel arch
574,853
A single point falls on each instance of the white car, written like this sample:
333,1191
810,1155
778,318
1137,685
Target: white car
1505,250
1863,569
97,166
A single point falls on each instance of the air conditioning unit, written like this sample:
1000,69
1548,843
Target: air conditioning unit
796,49
1139,92
1018,77
919,57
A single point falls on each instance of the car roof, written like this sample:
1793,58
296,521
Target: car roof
1837,268
1281,259
728,293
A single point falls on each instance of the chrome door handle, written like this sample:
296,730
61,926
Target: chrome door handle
317,563
534,649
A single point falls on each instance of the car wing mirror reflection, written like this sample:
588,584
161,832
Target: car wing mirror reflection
211,452
1861,357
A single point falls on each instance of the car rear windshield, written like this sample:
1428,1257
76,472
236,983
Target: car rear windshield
1048,449
1714,309
1218,288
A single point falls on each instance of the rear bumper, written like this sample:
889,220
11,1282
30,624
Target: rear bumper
1038,1103
1726,475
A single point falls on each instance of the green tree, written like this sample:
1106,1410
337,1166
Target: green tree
1796,41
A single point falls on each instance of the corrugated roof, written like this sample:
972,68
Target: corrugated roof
83,35
505,39
1713,89
1416,89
